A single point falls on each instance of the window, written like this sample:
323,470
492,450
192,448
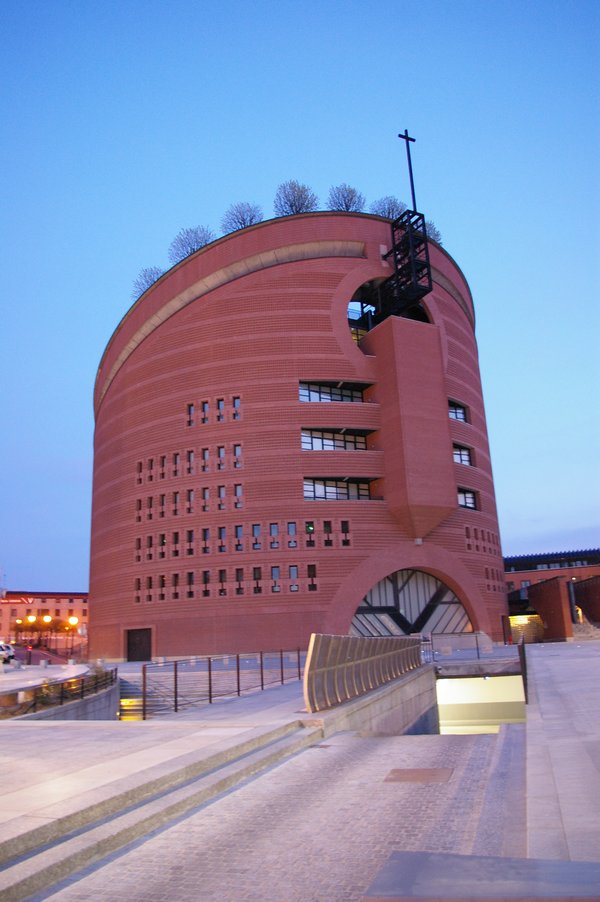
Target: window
222,537
336,490
311,572
189,578
138,550
190,541
148,548
175,503
205,498
345,526
150,469
238,491
275,576
330,391
161,587
139,468
205,540
257,576
274,535
327,530
293,576
149,503
239,578
221,497
467,498
256,544
237,456
175,539
189,457
204,410
237,407
462,455
205,583
176,463
161,505
220,409
291,531
189,501
457,411
222,581
221,457
162,544
190,414
205,459
239,535
309,529
162,460
315,440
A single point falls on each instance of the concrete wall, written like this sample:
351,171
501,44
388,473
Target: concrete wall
406,705
102,706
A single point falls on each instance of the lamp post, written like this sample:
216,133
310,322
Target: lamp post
47,619
73,621
31,618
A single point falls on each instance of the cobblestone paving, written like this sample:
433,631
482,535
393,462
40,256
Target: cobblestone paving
317,827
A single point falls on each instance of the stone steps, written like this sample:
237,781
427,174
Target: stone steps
40,857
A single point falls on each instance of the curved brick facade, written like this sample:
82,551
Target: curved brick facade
199,468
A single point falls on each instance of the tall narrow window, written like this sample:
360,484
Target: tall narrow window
345,527
311,572
162,499
204,410
274,535
189,502
221,457
176,463
205,498
139,470
190,414
190,541
222,581
175,544
175,503
239,536
175,585
237,407
237,456
293,577
149,504
162,465
292,532
256,544
150,469
238,491
239,578
162,544
257,577
205,459
327,531
190,583
205,583
275,577
220,409
189,462
221,497
222,538
149,548
161,587
206,540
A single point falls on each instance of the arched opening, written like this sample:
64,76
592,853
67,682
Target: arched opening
410,601
369,306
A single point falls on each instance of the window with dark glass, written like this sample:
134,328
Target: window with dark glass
462,455
317,440
330,391
336,490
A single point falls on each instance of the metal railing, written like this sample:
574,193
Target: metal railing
175,685
339,668
465,647
28,700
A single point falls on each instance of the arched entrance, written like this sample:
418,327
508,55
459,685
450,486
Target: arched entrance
410,601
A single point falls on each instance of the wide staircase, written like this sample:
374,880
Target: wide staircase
131,703
40,856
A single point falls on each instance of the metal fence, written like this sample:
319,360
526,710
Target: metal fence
27,700
464,647
175,685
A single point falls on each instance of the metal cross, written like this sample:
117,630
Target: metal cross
406,137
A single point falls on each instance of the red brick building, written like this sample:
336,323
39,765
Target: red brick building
266,468
58,619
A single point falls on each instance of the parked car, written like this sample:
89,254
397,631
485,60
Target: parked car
7,653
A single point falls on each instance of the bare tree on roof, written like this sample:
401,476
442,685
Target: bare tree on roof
241,215
145,279
433,231
292,197
345,197
388,206
189,240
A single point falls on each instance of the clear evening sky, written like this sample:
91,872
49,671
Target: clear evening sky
126,120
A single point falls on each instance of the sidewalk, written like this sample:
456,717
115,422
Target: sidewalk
323,825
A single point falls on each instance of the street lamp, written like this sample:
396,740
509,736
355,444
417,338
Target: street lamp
31,618
72,621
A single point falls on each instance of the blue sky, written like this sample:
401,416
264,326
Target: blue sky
126,120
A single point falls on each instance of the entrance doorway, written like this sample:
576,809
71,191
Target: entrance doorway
139,645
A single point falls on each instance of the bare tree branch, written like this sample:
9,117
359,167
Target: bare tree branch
240,215
188,241
292,197
388,206
344,197
146,278
433,231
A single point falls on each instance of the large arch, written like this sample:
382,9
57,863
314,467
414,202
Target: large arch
434,561
410,601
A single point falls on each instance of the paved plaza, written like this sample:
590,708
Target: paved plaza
324,823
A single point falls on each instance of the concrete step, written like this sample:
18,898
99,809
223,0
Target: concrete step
41,857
